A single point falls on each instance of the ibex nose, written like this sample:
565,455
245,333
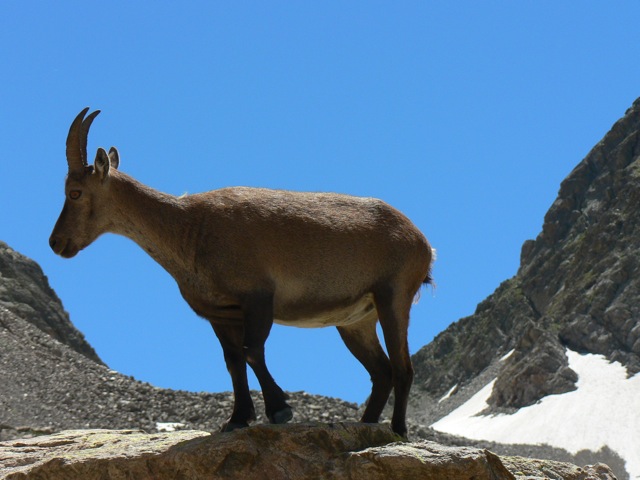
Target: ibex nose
52,243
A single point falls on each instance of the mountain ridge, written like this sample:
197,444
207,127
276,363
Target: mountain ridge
540,293
576,287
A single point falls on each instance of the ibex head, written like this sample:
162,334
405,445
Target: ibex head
82,218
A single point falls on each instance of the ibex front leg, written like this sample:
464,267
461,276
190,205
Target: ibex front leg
258,320
231,338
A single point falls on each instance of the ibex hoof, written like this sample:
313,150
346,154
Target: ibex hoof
231,426
281,416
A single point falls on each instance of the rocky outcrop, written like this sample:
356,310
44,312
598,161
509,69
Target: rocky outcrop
25,291
338,451
537,367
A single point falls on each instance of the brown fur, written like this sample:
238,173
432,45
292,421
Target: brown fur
247,257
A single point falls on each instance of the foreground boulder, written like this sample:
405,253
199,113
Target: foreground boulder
299,451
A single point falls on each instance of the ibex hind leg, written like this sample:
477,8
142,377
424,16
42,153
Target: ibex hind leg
362,341
393,312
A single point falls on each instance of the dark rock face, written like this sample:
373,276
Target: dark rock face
578,284
25,291
466,348
581,272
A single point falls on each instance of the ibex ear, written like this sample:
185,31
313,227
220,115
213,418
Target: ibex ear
114,157
102,164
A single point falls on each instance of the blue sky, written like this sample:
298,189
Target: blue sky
464,115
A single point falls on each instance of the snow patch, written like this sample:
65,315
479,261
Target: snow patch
604,410
168,426
449,393
507,355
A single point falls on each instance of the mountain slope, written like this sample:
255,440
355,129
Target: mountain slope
577,287
25,291
47,386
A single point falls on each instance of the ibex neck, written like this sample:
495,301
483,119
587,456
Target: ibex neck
154,220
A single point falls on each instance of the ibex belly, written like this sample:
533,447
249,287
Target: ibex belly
337,316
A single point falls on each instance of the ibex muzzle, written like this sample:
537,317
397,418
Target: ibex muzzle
247,257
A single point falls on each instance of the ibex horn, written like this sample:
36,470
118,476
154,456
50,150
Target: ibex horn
77,140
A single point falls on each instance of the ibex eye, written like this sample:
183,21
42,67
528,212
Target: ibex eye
75,194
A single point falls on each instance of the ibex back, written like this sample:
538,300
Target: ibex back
247,257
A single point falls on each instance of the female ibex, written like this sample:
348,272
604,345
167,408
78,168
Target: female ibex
247,257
